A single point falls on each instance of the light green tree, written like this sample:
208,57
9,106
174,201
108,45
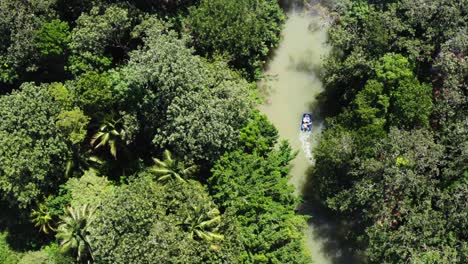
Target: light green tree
53,37
73,124
90,189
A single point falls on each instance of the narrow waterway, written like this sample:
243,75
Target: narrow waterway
290,90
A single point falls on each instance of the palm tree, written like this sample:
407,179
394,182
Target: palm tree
109,135
73,232
83,161
41,218
204,225
170,168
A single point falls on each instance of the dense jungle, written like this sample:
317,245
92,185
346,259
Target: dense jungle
169,131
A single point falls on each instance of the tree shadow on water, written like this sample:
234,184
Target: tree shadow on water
335,231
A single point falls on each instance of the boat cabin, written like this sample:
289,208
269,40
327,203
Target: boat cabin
306,122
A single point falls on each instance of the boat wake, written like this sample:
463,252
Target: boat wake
305,138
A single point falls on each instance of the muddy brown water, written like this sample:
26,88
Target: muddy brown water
290,89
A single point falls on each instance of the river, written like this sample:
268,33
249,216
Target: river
290,89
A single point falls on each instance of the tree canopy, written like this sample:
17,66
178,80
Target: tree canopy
386,157
33,151
246,30
145,221
129,132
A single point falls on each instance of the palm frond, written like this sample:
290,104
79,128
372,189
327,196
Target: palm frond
69,167
104,140
178,177
167,155
214,236
96,137
113,148
115,132
210,222
161,170
164,177
159,162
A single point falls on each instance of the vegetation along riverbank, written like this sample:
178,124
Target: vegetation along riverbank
170,131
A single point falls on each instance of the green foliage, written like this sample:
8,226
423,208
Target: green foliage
190,106
256,189
7,74
19,24
42,218
34,257
412,104
371,108
162,6
108,134
334,156
170,169
393,67
371,102
73,124
87,61
73,232
53,37
90,189
451,70
33,152
398,193
411,101
61,95
147,222
246,30
402,187
204,124
100,28
94,93
55,256
94,33
401,200
7,255
48,255
259,135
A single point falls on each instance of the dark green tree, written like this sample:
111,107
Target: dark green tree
98,39
246,30
93,93
256,189
19,24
